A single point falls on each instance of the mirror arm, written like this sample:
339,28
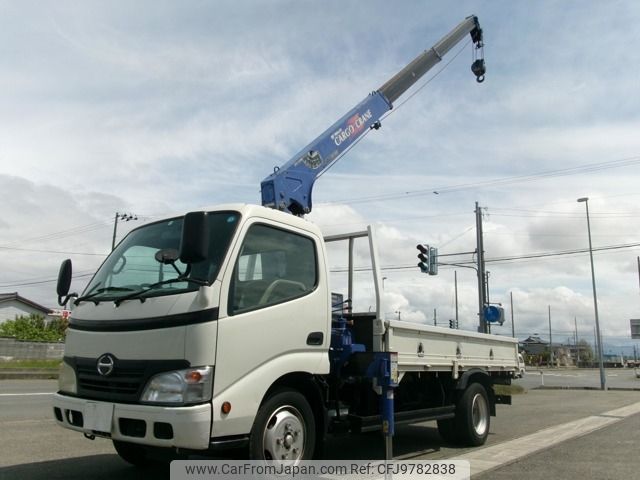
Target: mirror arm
180,274
187,271
63,303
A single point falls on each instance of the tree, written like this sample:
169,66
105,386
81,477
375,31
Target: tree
586,352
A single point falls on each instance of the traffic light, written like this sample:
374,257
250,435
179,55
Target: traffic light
452,324
423,256
433,261
428,257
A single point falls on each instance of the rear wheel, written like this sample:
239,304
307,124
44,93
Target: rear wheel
284,428
473,416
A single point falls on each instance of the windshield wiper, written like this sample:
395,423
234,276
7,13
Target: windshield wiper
139,293
97,292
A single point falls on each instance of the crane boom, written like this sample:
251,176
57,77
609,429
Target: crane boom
289,187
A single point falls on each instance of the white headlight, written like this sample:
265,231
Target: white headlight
192,385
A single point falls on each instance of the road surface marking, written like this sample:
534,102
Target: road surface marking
504,453
24,394
28,422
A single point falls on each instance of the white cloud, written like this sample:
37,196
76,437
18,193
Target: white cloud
159,107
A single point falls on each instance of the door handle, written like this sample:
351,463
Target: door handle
315,338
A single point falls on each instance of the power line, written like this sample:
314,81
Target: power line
586,168
51,251
561,253
41,281
498,259
61,234
561,213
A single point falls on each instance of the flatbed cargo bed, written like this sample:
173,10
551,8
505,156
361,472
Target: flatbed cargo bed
430,348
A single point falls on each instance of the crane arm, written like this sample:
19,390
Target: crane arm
289,187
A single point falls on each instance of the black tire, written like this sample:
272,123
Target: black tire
132,453
447,430
473,416
284,428
143,456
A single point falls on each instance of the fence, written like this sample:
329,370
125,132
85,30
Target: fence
11,349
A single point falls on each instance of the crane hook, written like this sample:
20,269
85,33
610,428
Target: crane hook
479,69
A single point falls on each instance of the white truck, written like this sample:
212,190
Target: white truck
218,329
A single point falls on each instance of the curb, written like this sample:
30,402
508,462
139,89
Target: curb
555,387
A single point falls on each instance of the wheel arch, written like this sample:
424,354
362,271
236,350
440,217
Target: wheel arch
477,375
311,388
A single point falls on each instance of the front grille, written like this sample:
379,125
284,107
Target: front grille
126,379
125,383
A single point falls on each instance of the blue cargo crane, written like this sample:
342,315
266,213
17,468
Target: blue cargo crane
289,187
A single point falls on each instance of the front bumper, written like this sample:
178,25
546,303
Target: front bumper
179,427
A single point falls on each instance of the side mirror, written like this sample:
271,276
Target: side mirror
64,282
194,245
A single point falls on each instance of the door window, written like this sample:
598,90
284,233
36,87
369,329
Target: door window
273,266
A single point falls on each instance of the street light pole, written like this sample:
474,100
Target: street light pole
550,339
603,380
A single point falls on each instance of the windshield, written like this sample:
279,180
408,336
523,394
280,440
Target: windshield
133,266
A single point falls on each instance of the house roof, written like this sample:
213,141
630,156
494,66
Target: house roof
7,297
533,339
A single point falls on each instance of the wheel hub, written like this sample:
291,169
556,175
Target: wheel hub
479,414
284,435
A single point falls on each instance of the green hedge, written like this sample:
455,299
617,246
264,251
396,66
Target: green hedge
34,328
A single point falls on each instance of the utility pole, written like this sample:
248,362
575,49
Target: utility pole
455,283
481,276
122,216
575,324
513,326
550,339
486,297
435,318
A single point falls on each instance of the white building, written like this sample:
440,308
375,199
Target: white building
12,304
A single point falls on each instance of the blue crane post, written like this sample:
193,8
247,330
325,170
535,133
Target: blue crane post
385,374
289,187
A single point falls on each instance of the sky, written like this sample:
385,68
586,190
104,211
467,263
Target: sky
155,107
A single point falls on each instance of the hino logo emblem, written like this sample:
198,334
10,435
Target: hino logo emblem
105,365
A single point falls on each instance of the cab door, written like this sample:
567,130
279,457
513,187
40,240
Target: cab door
274,319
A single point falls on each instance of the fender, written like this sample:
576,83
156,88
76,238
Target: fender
463,381
485,380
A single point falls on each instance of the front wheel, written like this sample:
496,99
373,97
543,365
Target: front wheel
143,456
132,453
284,428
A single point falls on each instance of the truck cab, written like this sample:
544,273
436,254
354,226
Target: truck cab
164,359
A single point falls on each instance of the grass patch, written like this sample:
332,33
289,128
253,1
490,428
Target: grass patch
508,389
30,364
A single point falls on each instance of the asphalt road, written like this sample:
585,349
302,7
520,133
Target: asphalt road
34,447
608,454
